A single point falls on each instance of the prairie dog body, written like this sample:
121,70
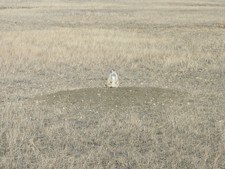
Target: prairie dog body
113,79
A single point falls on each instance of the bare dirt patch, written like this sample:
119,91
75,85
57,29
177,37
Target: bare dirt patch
111,97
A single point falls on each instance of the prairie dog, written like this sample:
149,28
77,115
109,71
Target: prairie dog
113,79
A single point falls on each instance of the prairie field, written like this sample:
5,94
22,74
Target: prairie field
168,112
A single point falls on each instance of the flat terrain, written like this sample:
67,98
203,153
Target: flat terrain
169,111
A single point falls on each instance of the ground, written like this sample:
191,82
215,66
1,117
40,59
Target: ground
168,111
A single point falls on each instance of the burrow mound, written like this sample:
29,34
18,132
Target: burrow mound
112,97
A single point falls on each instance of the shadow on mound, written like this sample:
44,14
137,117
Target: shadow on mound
112,97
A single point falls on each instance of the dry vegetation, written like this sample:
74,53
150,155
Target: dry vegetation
168,113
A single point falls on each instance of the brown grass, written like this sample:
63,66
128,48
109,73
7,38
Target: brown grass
47,47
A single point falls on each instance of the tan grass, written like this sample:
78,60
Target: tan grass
48,46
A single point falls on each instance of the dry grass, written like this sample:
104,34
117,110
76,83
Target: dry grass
49,46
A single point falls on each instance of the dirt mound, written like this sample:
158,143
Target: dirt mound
112,97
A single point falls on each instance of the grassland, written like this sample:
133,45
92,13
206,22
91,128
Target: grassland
169,111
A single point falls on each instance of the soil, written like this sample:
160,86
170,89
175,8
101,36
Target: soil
113,97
